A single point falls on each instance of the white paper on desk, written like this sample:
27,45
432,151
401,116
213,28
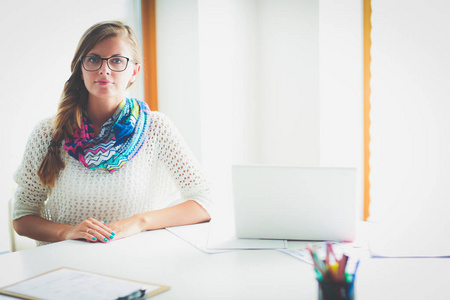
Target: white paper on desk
409,241
196,235
72,284
222,236
353,252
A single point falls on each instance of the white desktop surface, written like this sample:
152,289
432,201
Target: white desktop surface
161,257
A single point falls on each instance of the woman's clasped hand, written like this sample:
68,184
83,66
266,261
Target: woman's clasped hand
91,230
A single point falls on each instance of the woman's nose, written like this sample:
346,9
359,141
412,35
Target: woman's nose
104,68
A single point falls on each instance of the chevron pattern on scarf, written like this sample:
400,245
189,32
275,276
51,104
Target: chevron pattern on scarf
120,138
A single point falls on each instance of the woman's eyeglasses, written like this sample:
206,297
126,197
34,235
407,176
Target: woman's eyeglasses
93,63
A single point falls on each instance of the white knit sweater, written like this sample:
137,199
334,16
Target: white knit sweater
162,174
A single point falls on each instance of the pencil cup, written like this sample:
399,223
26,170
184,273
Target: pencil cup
332,290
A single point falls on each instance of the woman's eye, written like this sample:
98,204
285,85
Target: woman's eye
93,60
117,60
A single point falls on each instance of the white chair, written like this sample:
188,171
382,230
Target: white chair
16,241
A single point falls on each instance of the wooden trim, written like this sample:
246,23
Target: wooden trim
148,8
367,60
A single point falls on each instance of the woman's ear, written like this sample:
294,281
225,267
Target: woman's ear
136,69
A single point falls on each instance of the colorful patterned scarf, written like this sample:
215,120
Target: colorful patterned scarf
119,140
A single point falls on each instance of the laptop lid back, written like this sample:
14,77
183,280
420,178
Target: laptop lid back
297,203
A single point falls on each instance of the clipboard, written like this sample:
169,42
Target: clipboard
69,283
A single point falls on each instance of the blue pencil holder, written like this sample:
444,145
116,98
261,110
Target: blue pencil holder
331,290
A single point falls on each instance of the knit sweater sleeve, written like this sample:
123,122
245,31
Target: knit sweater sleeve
30,195
181,163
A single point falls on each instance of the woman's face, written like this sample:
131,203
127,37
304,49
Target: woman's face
105,84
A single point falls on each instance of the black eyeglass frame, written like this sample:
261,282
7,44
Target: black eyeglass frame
107,62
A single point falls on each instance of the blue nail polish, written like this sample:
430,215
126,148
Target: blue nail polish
105,239
113,233
111,236
94,238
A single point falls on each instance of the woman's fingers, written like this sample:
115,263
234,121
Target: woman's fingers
96,231
101,231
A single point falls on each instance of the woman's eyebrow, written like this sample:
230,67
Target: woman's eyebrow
92,54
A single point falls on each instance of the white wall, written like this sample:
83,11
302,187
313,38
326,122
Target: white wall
279,82
288,82
38,41
410,143
178,67
341,88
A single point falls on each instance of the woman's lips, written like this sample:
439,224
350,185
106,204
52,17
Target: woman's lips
103,82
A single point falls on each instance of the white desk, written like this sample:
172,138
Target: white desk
161,257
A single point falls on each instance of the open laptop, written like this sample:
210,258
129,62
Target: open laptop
294,203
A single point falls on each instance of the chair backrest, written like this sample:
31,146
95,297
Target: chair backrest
16,241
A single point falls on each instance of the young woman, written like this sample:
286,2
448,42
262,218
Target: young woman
106,167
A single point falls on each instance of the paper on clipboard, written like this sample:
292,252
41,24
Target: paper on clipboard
71,284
